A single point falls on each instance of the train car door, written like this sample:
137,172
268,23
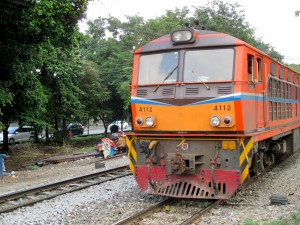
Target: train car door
255,83
259,93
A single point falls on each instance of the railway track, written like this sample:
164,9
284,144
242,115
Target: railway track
14,200
145,213
161,207
201,212
195,218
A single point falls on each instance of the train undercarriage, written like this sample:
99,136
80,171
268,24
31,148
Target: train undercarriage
210,168
267,151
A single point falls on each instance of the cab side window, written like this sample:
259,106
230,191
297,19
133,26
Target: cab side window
259,73
250,64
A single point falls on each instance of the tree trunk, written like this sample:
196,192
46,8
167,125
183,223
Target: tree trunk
5,146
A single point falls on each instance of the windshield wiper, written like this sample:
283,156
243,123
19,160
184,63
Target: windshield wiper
207,87
168,75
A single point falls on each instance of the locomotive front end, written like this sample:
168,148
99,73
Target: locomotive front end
184,141
188,168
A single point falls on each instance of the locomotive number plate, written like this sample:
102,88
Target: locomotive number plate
145,109
222,107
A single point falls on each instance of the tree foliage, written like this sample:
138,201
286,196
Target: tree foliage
107,57
29,29
230,19
295,67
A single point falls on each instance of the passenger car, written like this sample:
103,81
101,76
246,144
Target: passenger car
76,128
118,123
19,134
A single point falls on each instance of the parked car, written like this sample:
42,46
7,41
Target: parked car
19,134
118,123
76,128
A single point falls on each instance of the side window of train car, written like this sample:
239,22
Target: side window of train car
280,72
273,68
250,59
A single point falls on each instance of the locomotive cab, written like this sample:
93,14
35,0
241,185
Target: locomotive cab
184,71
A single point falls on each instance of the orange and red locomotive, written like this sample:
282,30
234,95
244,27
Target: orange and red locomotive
208,111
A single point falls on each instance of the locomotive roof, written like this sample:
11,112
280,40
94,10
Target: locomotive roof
204,38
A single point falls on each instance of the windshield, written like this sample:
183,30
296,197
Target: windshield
12,130
158,68
208,65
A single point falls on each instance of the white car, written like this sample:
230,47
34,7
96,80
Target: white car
19,134
118,123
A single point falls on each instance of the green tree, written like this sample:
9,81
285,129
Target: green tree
95,92
25,25
295,67
61,73
113,62
230,19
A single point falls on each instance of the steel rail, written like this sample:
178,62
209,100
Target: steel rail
201,212
17,199
144,213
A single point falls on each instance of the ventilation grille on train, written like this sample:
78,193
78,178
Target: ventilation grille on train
192,91
167,91
141,93
223,90
189,190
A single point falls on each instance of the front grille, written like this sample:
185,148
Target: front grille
224,90
141,93
192,91
167,91
189,190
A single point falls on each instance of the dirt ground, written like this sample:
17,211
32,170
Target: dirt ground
22,156
25,179
22,171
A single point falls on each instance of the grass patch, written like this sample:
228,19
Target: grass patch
85,141
34,167
292,219
89,149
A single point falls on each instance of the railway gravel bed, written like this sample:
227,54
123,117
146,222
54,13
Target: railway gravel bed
113,200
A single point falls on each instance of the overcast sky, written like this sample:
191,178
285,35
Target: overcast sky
274,21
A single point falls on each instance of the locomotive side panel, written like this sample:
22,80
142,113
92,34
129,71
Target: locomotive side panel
250,83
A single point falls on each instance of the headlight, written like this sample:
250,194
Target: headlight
149,121
139,121
215,121
182,36
227,120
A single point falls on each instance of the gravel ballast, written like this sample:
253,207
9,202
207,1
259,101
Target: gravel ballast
108,202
